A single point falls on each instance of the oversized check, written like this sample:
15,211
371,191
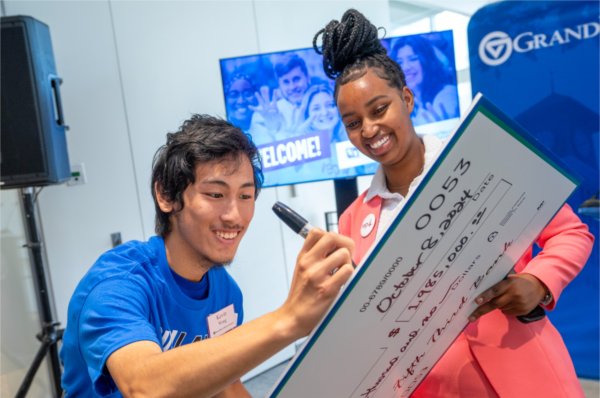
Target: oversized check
481,205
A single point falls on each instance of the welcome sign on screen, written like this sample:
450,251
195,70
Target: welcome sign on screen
285,102
294,151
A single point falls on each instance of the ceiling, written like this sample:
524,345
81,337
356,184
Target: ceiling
422,8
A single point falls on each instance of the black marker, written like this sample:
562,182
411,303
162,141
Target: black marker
295,221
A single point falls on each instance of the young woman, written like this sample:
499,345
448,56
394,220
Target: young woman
240,97
496,355
321,114
436,96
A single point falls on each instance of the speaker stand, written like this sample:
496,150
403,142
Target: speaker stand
50,334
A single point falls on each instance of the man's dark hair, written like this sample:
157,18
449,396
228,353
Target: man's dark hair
294,61
201,138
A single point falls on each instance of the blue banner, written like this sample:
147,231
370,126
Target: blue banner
539,62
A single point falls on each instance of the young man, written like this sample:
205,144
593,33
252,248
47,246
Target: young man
279,114
292,76
134,314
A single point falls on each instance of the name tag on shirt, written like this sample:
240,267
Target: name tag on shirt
222,321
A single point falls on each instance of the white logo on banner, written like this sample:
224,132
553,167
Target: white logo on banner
496,47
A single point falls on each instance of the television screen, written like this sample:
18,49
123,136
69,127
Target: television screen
285,102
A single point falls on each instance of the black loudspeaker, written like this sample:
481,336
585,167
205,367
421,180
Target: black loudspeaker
33,147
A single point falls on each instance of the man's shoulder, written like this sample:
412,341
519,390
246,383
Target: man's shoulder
123,261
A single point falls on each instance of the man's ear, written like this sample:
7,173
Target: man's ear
165,205
409,98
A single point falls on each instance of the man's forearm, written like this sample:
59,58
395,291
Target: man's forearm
201,369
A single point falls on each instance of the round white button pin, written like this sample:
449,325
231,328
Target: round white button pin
367,225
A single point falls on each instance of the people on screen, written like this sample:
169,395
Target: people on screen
428,77
321,114
240,96
278,112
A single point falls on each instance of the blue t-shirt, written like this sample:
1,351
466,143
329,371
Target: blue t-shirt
129,295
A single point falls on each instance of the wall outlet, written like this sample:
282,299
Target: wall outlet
77,175
115,239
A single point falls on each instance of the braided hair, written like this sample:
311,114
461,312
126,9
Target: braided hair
350,47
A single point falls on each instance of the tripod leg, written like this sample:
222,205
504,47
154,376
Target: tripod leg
55,368
39,357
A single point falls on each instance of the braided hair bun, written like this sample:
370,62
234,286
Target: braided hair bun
345,42
351,46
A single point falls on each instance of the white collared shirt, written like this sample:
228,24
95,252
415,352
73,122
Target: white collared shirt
393,202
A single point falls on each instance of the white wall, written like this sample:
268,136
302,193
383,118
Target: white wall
133,71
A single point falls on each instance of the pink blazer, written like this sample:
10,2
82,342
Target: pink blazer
519,360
